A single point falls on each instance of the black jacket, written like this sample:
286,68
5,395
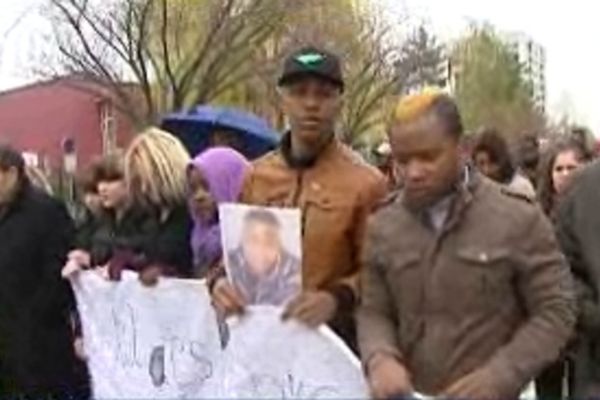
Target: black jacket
170,247
578,223
86,226
148,237
36,352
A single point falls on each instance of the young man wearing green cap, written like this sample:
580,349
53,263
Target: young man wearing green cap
334,188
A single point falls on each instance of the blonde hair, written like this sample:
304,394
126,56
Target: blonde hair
39,179
415,105
430,100
155,169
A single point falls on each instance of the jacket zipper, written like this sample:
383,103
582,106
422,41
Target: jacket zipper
298,190
296,200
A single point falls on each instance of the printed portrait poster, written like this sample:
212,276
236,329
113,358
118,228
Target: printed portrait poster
262,252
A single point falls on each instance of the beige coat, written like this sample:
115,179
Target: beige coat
491,292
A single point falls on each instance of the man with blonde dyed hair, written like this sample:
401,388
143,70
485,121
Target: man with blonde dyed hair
465,293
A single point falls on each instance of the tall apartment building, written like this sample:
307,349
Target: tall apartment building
531,56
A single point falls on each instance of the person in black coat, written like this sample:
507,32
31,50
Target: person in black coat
578,222
36,354
132,232
122,227
155,171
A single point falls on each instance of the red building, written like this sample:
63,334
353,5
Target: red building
40,118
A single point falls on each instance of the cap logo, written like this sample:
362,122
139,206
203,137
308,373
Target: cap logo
310,59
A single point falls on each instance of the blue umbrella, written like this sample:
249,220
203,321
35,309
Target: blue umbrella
195,127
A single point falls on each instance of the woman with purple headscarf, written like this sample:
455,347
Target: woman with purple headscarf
214,177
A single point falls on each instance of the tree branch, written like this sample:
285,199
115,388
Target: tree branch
177,95
189,73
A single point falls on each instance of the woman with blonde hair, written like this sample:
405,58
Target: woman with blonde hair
155,166
155,169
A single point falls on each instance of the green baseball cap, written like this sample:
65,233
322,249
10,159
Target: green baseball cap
310,61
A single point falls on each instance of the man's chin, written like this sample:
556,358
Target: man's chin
418,202
309,137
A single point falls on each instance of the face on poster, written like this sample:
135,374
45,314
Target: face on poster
262,252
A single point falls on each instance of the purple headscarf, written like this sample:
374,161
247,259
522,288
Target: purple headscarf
223,169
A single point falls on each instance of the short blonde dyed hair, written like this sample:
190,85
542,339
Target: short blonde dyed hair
430,100
155,169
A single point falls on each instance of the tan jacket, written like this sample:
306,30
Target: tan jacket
335,196
491,291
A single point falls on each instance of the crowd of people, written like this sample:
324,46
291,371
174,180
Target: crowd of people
444,272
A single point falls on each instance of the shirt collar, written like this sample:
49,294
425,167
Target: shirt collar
446,209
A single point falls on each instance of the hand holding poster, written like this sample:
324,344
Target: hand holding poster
265,357
263,252
163,342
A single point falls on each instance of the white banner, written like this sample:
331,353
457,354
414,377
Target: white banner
268,359
163,343
150,343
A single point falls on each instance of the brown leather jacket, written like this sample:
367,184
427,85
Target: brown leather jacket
491,292
336,196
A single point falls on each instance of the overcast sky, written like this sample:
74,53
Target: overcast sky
569,31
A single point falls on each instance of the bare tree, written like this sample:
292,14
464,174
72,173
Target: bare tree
178,53
371,83
360,40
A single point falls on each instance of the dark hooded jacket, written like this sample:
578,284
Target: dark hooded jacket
578,223
36,352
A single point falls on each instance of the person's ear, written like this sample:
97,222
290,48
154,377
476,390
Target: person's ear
282,103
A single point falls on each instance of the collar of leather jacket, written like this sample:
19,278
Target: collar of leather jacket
295,163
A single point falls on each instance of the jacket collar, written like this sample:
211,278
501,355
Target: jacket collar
131,213
457,201
464,195
294,163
